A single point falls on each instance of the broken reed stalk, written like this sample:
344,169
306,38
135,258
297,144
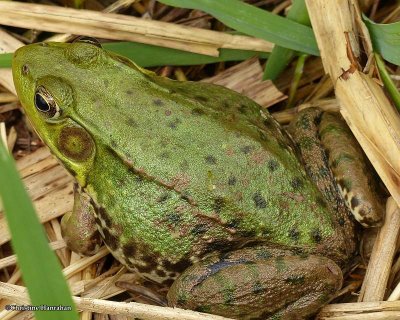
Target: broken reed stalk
123,27
379,266
19,295
382,310
370,116
366,109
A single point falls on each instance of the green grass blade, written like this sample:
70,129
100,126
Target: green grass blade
389,85
150,56
146,55
40,269
385,39
256,22
280,57
5,60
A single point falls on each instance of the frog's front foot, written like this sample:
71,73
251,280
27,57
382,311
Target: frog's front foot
79,228
257,283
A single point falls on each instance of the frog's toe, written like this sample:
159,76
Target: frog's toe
289,286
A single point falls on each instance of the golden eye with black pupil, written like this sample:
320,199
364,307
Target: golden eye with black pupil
45,103
88,40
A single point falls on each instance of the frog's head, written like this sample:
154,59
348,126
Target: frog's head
55,82
41,77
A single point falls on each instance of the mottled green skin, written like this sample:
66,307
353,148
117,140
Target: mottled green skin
173,170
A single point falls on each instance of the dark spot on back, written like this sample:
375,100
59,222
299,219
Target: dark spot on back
246,149
234,223
217,245
297,183
199,229
174,124
218,205
201,98
321,202
272,165
242,109
173,218
158,102
226,104
114,144
259,200
248,233
341,221
129,92
211,159
294,234
163,197
232,180
164,155
131,122
198,111
186,196
316,235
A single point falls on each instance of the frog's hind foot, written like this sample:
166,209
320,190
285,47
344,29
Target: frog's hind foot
257,283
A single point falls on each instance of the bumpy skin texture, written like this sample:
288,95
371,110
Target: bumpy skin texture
176,172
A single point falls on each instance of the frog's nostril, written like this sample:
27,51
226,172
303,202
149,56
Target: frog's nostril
25,69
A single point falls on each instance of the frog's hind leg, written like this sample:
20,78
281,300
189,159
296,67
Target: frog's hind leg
79,227
305,133
257,283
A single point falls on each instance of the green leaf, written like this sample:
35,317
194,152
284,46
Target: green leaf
280,57
5,60
40,269
389,85
256,22
385,39
150,56
146,55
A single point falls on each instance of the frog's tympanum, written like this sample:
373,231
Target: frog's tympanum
192,186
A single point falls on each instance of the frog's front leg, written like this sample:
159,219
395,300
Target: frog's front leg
257,283
79,228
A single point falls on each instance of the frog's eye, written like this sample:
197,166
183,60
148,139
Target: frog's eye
88,40
45,103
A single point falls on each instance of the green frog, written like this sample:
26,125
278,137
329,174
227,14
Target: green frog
194,187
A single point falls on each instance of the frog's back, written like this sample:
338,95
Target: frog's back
210,173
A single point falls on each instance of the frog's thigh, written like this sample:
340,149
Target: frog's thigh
254,283
79,228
